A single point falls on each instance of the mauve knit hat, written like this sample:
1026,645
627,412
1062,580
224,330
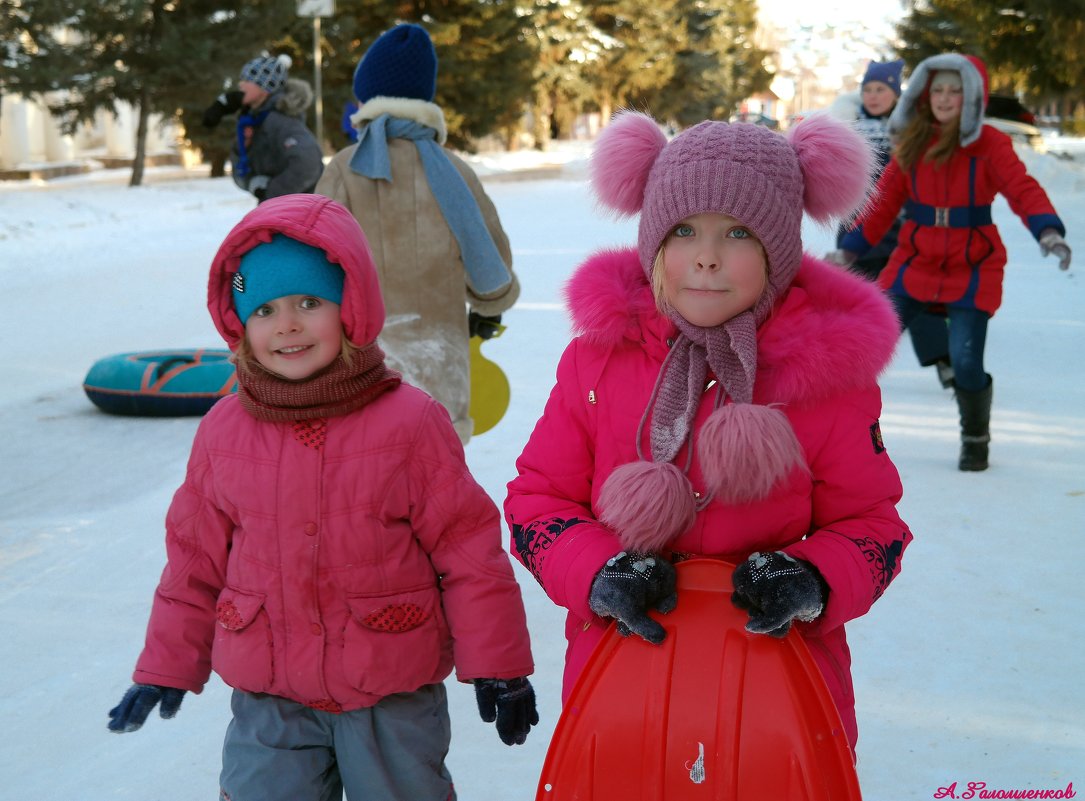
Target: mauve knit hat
765,180
401,63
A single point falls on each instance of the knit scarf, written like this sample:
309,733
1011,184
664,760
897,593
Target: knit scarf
341,387
246,125
729,350
487,273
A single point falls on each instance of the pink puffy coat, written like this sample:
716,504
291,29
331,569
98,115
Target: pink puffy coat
339,575
819,355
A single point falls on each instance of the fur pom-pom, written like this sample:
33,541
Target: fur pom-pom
621,159
838,166
285,60
745,449
648,504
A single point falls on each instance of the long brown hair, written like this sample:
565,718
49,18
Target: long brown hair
916,136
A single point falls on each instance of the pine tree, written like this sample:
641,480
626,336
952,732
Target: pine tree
485,58
155,55
718,65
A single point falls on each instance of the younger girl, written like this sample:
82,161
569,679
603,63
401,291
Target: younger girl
720,399
945,172
329,555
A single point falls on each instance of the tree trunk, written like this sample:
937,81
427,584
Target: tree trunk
141,137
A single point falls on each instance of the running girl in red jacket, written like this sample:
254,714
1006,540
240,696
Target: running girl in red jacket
946,170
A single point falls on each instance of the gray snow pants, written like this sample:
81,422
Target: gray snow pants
280,750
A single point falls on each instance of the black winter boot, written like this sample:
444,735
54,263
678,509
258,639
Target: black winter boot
975,408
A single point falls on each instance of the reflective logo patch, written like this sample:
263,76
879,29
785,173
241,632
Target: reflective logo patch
876,438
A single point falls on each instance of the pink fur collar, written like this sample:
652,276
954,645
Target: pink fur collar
829,333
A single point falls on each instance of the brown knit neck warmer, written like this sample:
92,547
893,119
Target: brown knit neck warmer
341,387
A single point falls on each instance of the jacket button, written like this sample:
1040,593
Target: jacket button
310,529
316,629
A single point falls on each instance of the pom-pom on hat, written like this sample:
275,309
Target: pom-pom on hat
887,72
281,267
267,72
766,181
401,63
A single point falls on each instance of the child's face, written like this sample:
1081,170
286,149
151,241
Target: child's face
252,95
878,98
713,269
295,336
946,101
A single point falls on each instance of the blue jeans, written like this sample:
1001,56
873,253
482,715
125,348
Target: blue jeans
967,333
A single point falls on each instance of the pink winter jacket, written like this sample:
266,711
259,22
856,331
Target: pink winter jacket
819,355
339,575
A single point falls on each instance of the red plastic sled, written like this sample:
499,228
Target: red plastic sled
713,713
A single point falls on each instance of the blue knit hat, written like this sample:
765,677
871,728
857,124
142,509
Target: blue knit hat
267,72
284,266
401,63
887,72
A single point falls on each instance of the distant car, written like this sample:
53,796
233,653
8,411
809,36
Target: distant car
1009,115
757,118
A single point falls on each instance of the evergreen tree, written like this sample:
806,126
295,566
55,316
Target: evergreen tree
717,67
485,58
156,55
636,40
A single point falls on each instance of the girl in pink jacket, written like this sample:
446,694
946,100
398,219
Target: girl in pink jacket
720,398
329,554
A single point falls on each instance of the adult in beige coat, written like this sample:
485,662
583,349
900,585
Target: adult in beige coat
393,184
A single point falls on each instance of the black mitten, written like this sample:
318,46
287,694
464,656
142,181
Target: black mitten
138,702
511,702
226,103
775,589
479,325
630,584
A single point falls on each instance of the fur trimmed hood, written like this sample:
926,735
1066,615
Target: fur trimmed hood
294,98
405,108
830,332
973,83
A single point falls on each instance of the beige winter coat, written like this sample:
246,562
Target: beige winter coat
422,276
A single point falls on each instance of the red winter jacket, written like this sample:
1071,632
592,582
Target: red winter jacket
337,575
959,264
819,355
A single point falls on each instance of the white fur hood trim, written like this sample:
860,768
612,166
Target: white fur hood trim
420,111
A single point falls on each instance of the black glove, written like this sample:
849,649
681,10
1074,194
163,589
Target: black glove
511,702
482,326
226,103
138,702
630,584
775,589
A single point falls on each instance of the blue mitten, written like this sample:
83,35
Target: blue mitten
138,702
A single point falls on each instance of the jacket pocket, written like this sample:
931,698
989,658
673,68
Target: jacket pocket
392,643
242,654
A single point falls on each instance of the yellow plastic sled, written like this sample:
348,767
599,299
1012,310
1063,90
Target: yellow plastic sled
490,391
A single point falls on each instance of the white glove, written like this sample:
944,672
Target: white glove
1051,242
843,258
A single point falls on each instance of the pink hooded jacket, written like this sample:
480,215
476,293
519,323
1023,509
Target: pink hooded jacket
819,355
332,576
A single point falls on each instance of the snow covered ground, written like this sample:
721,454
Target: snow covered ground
968,670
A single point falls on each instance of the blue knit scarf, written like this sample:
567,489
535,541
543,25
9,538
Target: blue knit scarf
487,273
246,121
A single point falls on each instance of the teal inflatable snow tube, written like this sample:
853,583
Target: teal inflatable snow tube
165,383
